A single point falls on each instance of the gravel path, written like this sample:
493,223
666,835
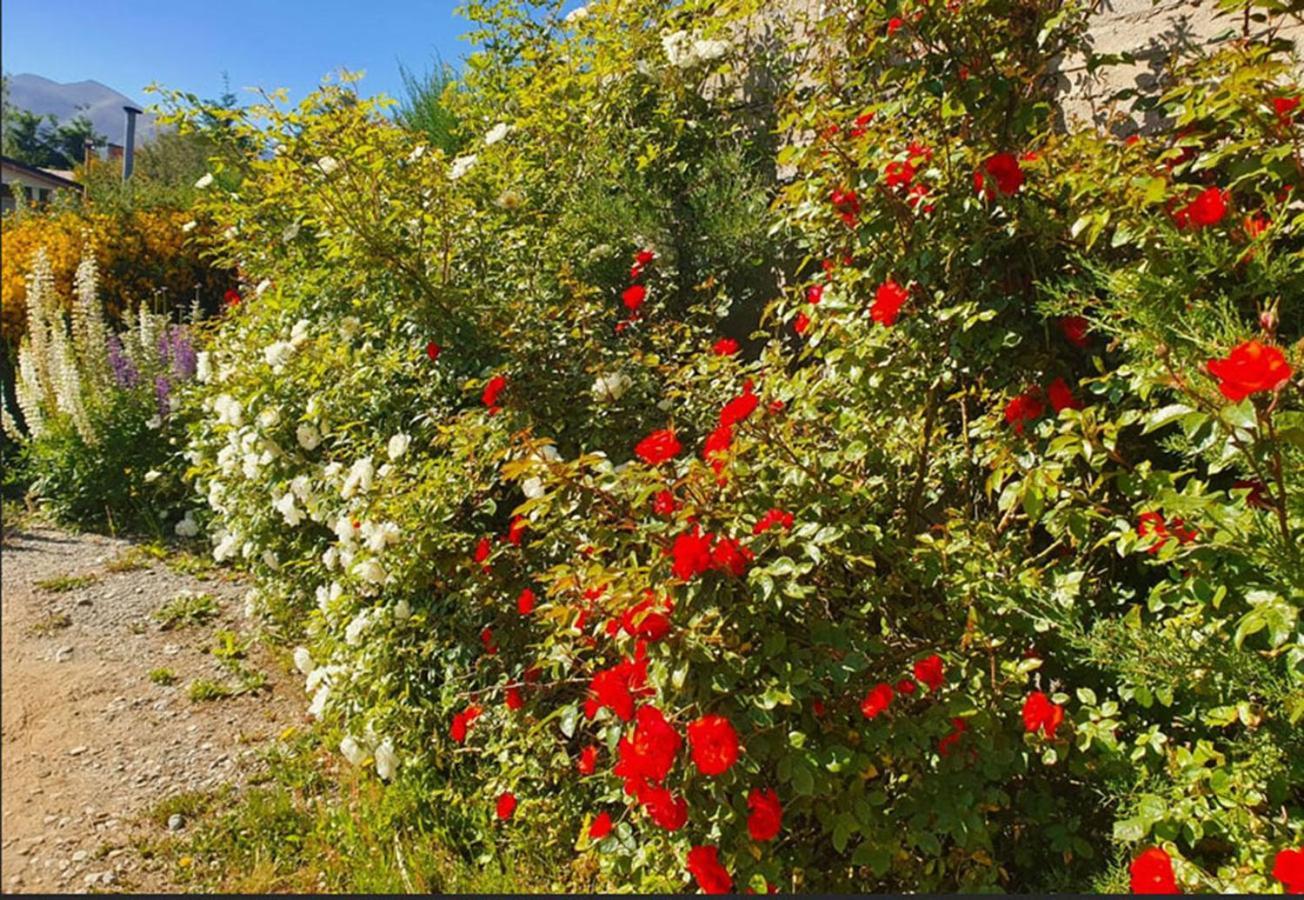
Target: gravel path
90,743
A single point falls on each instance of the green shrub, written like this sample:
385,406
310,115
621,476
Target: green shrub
993,577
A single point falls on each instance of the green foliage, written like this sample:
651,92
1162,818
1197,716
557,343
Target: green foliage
1036,507
186,609
163,676
62,584
423,108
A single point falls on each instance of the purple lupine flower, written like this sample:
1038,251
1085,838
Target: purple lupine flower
183,356
124,370
162,390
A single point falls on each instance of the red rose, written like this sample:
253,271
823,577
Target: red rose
633,297
1288,868
231,297
483,549
516,529
1001,170
704,865
801,323
1061,396
814,294
772,518
731,557
898,174
888,300
462,722
1208,208
946,742
433,350
663,808
664,503
525,602
1152,873
1024,408
877,700
643,257
487,638
506,805
906,686
658,447
588,759
717,446
492,389
916,196
692,554
1075,330
858,129
929,671
766,814
649,753
1285,108
601,827
1040,714
725,347
714,744
644,622
1250,368
514,699
617,688
894,24
739,408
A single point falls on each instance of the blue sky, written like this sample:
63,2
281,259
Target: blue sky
186,44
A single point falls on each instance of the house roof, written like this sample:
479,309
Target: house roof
40,174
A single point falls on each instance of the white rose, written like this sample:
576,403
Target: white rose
417,153
203,367
269,417
533,488
359,478
204,180
352,750
461,166
353,631
398,445
308,436
187,527
611,386
189,226
370,570
278,354
303,660
577,14
496,134
289,510
402,610
386,760
327,165
152,475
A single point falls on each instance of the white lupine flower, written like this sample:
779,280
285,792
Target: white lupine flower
386,760
203,367
154,423
611,386
353,631
359,478
402,610
187,527
371,571
327,165
398,445
289,509
496,134
308,436
189,226
303,660
204,180
577,14
278,354
354,752
461,166
269,417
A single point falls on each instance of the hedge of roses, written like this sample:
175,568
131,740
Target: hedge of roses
785,458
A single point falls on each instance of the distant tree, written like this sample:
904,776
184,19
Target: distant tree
423,109
67,141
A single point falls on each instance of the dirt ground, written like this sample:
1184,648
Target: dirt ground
91,745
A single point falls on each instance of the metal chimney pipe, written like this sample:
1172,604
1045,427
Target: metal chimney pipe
129,142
